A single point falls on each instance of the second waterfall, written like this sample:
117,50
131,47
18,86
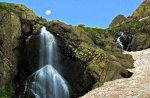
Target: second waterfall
47,82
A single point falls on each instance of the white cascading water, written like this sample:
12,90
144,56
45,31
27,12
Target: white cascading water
119,41
47,82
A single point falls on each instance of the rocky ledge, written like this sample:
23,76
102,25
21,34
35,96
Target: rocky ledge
138,86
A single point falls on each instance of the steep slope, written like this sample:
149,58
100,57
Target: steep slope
137,86
143,10
137,27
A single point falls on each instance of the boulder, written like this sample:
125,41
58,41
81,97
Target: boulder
140,41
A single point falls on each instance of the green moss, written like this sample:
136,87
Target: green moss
131,25
8,7
102,47
96,30
111,31
6,94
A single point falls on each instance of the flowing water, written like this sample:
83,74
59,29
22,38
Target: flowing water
47,82
119,40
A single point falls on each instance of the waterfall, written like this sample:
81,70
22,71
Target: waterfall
118,41
47,82
126,42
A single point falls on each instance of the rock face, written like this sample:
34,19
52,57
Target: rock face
12,19
136,27
98,67
10,33
84,65
117,20
137,86
143,10
140,41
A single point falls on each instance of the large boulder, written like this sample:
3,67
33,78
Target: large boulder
140,41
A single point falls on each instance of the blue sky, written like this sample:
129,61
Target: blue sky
93,13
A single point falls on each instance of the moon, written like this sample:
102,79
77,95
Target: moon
48,12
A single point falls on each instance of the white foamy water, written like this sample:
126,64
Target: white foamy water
47,82
118,41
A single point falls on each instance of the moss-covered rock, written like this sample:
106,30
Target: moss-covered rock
98,67
16,23
143,10
140,41
117,20
19,10
10,33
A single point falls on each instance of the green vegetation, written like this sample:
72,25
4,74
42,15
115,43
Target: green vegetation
95,30
111,31
10,8
96,34
132,26
102,47
6,94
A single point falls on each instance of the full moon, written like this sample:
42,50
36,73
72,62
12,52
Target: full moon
48,12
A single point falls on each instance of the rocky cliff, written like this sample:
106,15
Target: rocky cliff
89,56
136,26
12,21
143,10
